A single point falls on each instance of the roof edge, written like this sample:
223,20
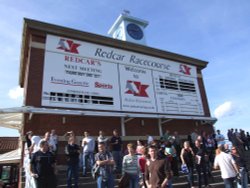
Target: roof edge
30,24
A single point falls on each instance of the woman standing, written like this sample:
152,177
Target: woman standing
130,165
187,158
241,164
142,163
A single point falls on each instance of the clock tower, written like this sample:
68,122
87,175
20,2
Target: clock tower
128,28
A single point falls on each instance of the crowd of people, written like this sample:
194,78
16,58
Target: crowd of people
152,164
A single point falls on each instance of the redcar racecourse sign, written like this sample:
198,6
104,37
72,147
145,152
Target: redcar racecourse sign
83,75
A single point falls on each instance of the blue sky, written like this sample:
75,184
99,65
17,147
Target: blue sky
216,31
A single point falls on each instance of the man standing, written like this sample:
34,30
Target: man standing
157,171
105,161
88,145
166,136
194,136
34,143
54,139
72,150
227,167
102,138
177,143
116,143
220,138
42,167
150,139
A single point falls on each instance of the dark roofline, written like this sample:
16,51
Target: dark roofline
8,144
45,28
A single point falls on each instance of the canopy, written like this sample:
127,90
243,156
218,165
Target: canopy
11,157
12,117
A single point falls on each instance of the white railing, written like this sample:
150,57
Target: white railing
29,180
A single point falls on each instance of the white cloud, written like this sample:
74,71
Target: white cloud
224,109
15,93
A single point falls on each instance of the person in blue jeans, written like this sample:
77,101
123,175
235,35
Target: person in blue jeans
130,165
227,166
105,161
72,151
242,167
88,145
116,144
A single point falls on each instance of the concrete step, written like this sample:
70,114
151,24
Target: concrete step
175,185
180,181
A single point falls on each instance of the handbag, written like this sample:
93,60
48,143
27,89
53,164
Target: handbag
95,171
124,181
184,169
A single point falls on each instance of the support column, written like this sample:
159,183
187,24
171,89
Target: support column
160,127
123,126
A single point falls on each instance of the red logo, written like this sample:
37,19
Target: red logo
103,85
68,46
185,69
136,88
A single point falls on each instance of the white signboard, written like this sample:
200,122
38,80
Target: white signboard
137,92
77,82
84,75
177,94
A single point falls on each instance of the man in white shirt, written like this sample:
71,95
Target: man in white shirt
194,136
34,143
150,139
227,167
88,145
102,139
54,138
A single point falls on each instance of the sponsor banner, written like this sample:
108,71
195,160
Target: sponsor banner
137,92
74,82
84,75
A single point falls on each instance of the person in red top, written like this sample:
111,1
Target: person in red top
142,163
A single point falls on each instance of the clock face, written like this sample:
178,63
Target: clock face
134,31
